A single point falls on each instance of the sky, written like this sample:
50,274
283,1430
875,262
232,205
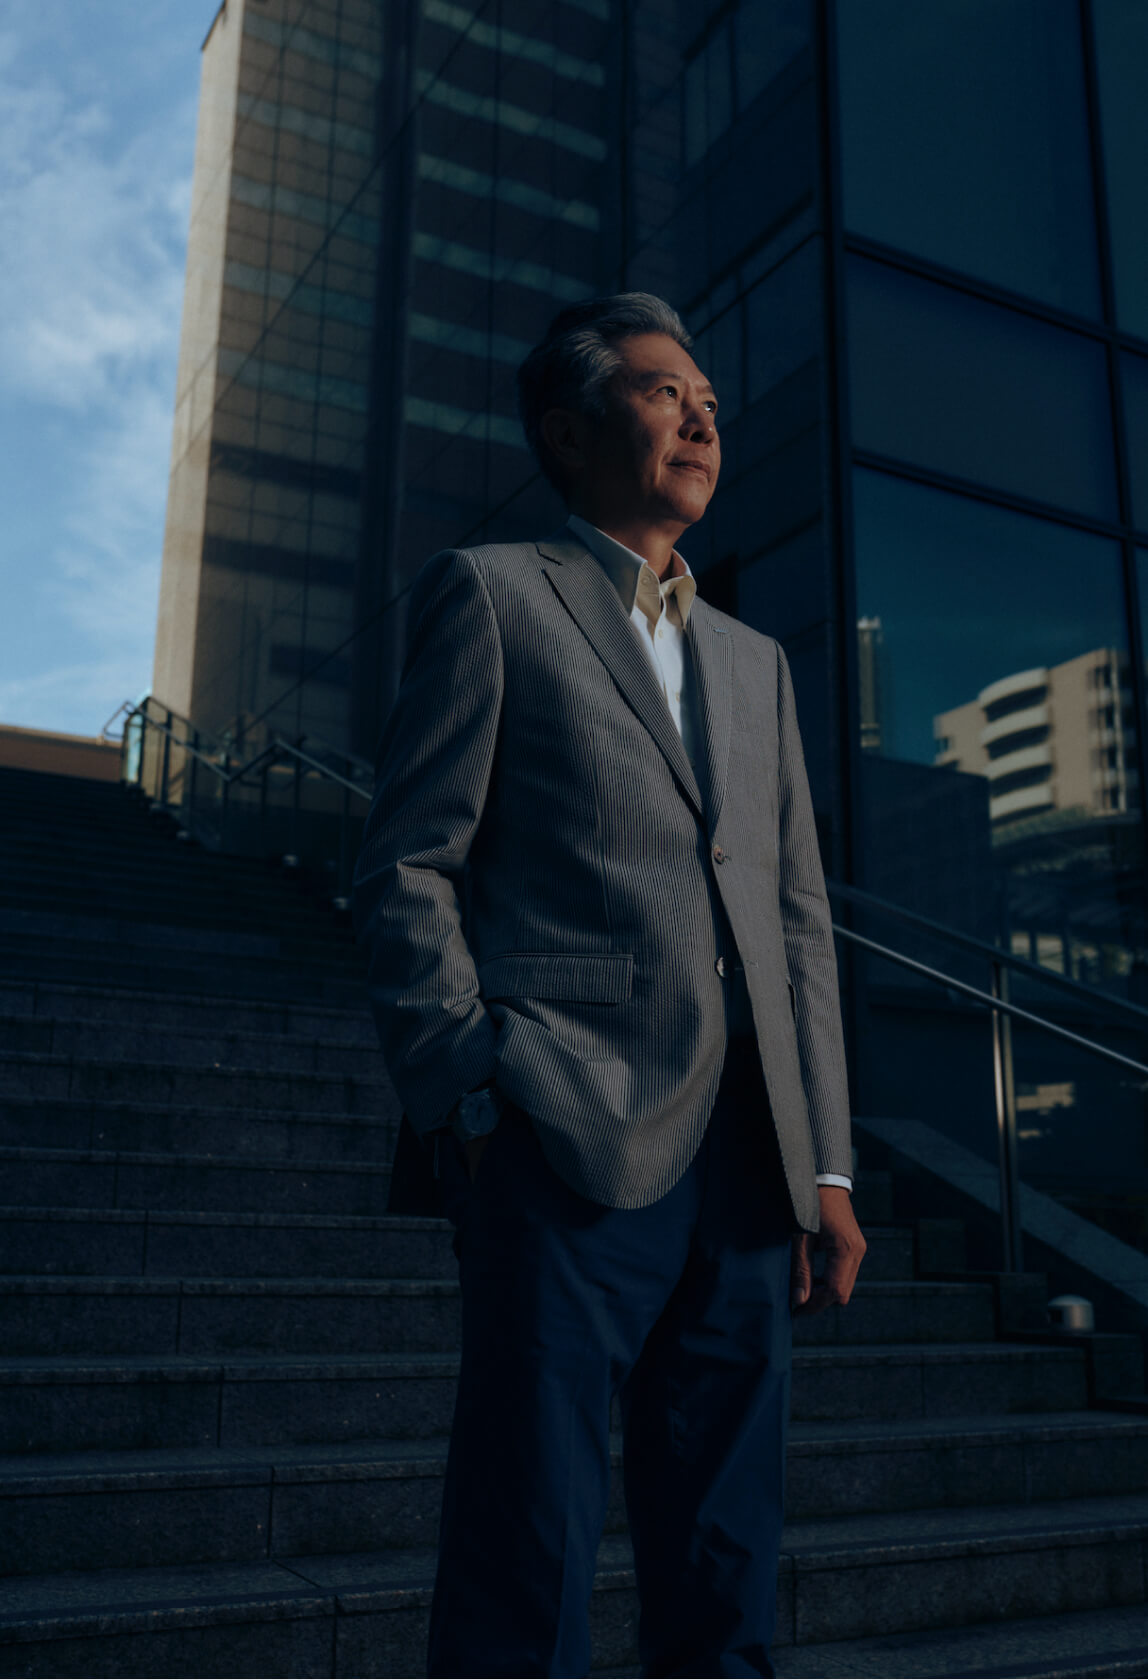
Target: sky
97,135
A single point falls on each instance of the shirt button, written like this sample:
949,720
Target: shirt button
718,855
719,968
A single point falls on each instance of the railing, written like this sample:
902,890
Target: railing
1003,1012
305,802
300,801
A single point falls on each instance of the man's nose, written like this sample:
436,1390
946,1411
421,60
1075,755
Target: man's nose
698,425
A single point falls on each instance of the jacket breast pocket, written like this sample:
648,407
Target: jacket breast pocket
559,976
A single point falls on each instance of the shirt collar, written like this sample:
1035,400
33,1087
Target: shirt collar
624,567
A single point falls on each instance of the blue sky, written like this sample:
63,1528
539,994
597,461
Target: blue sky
97,132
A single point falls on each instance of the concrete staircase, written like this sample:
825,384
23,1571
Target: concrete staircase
227,1377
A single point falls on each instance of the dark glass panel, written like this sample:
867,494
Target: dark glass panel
999,795
1134,378
783,320
766,35
1122,69
718,352
709,94
977,390
964,139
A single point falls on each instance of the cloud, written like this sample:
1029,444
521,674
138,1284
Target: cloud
96,152
71,698
94,225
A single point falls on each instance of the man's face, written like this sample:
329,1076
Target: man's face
656,455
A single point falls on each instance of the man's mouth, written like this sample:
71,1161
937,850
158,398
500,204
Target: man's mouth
693,466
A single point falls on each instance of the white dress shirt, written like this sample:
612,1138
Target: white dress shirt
659,612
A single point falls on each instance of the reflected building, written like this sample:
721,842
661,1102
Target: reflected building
1056,743
870,683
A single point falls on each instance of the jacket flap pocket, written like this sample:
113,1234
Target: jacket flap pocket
545,974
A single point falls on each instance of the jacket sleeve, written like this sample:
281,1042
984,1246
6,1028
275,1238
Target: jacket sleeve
809,950
433,775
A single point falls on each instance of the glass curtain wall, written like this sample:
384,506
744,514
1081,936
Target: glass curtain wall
286,431
995,239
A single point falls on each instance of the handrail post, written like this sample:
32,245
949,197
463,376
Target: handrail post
225,799
166,762
297,795
344,824
189,783
1004,1084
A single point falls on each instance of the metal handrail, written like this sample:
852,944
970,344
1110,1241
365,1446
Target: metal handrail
995,953
950,983
277,745
1004,1083
220,759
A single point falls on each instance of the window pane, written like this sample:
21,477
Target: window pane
1122,67
1134,378
784,322
709,95
718,352
999,795
983,392
964,139
767,34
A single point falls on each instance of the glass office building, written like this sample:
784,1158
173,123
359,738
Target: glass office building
912,243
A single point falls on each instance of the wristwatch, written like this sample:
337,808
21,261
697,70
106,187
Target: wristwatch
476,1114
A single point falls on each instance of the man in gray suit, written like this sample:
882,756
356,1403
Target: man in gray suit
602,968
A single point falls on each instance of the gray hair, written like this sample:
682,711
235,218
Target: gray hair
575,362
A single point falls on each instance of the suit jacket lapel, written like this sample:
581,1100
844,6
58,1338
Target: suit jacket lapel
711,647
592,602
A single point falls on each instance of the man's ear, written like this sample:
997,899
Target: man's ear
565,434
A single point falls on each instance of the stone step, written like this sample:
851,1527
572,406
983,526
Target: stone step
1084,1643
902,1311
363,1612
157,1128
842,1470
861,1577
52,874
64,1240
153,1317
202,1505
889,1256
63,1404
366,1091
97,1178
48,861
137,1243
65,935
188,1012
179,903
144,1042
80,1315
360,1614
262,980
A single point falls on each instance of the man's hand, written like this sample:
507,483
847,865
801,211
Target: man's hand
840,1237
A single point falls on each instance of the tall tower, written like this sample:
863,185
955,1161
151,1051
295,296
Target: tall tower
272,402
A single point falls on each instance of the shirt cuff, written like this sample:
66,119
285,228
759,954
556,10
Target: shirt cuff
835,1178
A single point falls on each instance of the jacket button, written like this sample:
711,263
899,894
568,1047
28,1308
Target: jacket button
718,855
719,968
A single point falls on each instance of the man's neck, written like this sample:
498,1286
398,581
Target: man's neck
654,542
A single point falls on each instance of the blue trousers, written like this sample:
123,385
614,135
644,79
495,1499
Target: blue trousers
682,1310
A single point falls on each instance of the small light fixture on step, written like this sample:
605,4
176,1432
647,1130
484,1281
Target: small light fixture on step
1071,1312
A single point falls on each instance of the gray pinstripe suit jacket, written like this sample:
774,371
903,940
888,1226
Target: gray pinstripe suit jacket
544,888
